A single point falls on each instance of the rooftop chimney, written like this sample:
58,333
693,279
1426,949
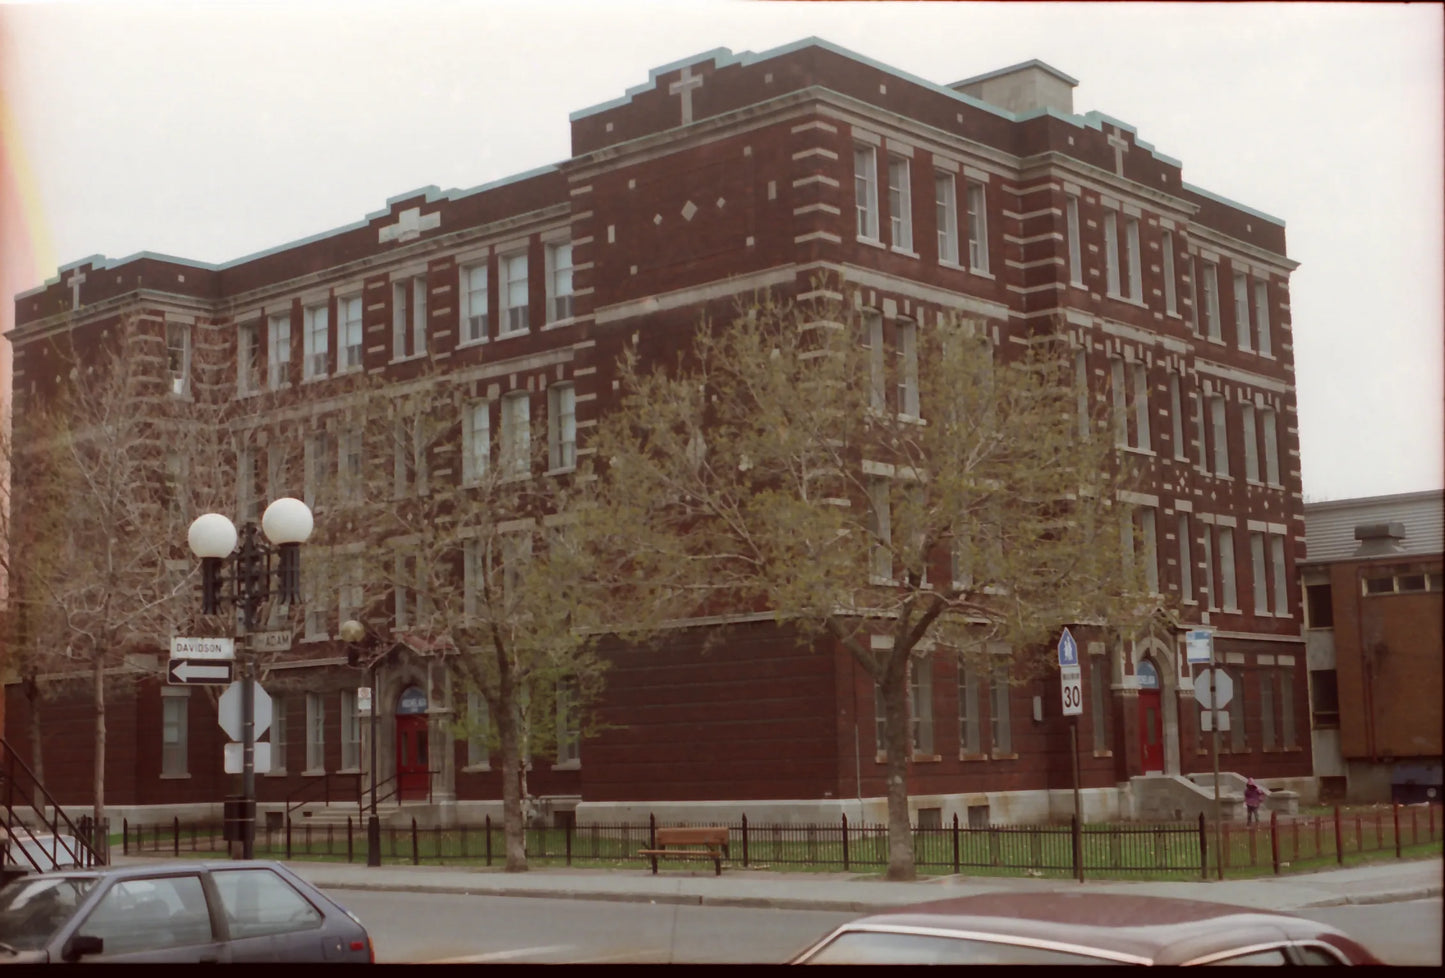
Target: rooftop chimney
1022,88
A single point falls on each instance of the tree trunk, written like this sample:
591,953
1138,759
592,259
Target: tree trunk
37,763
98,675
513,828
898,750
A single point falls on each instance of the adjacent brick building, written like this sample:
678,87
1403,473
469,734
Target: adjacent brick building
723,175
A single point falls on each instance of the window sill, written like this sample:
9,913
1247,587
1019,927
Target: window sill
972,757
1103,753
275,773
561,470
314,773
927,758
406,358
176,777
1228,610
945,263
476,768
981,272
314,378
1146,452
872,242
1189,601
348,770
905,252
567,766
1005,757
559,323
314,638
465,344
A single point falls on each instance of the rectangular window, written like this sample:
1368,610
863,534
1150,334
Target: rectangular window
349,458
516,555
1121,397
315,733
920,704
1250,432
559,281
968,710
1200,459
1221,436
977,229
317,599
1319,606
900,204
865,190
275,472
947,217
1325,698
1213,593
1186,559
1166,260
316,341
474,289
1149,535
474,575
1237,739
248,358
1142,441
1111,252
1081,391
907,342
1261,318
1226,568
562,426
402,592
516,433
1001,721
880,565
278,734
1194,295
175,733
351,593
1099,701
476,441
1076,260
518,297
1241,311
408,317
1176,418
569,725
317,465
1210,287
1281,579
1136,277
1266,709
873,333
349,331
350,731
278,351
1286,707
248,502
1261,578
1271,447
178,357
479,723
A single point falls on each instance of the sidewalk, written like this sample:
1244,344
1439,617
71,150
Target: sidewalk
736,887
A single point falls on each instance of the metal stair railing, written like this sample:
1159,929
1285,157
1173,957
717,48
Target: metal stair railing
302,795
22,787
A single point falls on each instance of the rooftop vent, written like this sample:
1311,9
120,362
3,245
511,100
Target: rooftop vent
1380,539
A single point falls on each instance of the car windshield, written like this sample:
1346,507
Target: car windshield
31,910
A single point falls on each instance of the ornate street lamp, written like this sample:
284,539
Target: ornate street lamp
212,537
353,632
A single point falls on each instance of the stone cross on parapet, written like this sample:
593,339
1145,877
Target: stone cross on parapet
410,223
76,277
684,86
1121,146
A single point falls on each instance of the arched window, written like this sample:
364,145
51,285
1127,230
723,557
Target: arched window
1148,675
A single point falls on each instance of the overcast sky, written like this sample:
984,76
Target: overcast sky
210,130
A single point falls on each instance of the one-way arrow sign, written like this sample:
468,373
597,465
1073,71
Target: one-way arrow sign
197,672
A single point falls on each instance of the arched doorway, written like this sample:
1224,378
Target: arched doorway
1151,718
412,756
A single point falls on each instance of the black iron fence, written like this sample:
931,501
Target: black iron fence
1172,849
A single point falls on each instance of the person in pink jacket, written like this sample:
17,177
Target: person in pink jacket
1252,797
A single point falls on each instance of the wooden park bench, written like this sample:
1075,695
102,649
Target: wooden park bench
672,842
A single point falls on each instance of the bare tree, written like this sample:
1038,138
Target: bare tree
906,488
449,521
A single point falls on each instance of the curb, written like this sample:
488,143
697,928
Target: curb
1382,896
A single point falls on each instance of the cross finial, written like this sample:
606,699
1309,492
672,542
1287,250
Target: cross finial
1121,146
76,277
684,86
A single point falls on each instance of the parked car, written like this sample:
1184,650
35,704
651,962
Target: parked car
1082,928
203,912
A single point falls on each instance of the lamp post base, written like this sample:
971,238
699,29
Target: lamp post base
373,841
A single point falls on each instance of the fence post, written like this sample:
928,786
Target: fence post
288,836
415,852
1339,839
489,840
1224,851
956,864
348,838
745,841
1076,840
1203,849
1396,812
176,835
1274,840
125,836
567,835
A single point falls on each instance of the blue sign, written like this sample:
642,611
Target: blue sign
1068,650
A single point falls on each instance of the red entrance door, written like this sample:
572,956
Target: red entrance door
411,757
1151,718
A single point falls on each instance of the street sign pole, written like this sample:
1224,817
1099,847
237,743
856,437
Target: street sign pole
1214,749
248,754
